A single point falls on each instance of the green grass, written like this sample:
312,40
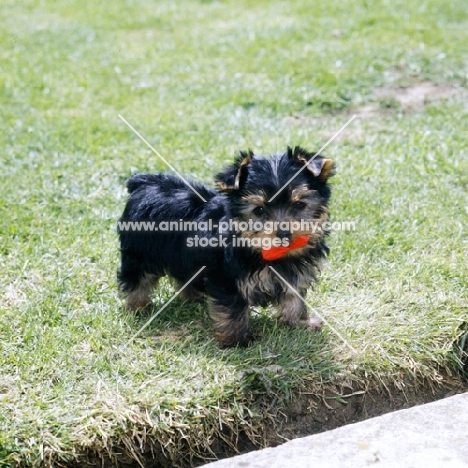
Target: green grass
201,80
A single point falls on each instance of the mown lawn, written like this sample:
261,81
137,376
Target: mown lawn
201,80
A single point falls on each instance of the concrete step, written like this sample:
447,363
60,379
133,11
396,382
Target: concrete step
426,436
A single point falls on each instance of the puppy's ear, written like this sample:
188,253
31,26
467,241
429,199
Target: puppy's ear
234,176
319,166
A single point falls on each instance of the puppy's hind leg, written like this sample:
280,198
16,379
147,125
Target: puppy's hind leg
135,283
140,297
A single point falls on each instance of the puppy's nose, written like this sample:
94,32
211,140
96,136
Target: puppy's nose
283,234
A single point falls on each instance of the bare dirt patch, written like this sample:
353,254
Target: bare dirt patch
416,96
411,98
383,102
312,414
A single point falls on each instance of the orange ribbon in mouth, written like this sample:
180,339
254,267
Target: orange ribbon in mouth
277,252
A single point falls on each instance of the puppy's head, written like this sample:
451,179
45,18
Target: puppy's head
274,200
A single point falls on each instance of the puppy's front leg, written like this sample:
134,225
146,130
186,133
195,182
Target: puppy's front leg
293,312
231,322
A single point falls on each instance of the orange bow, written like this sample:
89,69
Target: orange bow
277,252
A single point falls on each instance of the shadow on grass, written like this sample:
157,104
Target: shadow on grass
277,362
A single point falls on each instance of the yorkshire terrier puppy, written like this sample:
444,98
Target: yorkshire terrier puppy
266,211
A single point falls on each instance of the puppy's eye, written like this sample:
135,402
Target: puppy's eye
258,211
299,205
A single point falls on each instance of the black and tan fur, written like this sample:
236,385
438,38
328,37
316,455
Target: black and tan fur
235,277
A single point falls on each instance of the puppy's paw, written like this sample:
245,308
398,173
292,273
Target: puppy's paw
226,342
192,295
142,310
313,323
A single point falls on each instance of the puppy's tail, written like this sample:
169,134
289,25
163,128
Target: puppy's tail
140,180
